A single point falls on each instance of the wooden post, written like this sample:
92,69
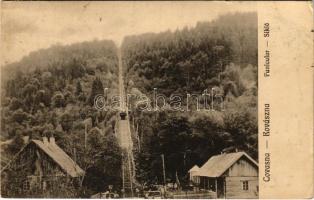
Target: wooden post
122,166
212,98
208,183
216,187
163,167
130,174
138,138
85,136
225,188
74,152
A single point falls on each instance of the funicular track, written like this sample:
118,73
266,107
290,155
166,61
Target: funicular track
124,138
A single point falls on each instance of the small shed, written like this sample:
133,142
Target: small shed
230,175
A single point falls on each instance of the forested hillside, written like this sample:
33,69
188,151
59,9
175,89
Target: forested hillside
51,92
219,56
191,59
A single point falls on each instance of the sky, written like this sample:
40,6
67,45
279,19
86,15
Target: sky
29,26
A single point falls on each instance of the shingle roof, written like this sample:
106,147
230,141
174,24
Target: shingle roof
218,164
61,158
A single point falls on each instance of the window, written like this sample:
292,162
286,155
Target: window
245,185
26,186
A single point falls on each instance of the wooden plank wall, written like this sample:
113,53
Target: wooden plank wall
243,167
234,187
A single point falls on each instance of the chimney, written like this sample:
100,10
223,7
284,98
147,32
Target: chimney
52,140
45,140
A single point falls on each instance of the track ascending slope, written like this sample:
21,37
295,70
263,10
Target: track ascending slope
124,137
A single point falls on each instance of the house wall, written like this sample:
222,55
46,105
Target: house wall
242,170
243,167
234,187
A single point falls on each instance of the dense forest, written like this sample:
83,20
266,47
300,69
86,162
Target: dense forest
51,92
219,55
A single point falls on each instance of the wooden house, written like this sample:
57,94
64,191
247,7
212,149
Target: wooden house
40,169
229,175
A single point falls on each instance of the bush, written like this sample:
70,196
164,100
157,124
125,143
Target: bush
58,100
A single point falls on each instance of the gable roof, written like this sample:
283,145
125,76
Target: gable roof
218,164
195,168
60,158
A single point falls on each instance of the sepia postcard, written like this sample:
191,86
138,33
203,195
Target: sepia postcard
146,100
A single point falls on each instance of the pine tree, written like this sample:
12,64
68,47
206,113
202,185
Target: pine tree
97,89
78,88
